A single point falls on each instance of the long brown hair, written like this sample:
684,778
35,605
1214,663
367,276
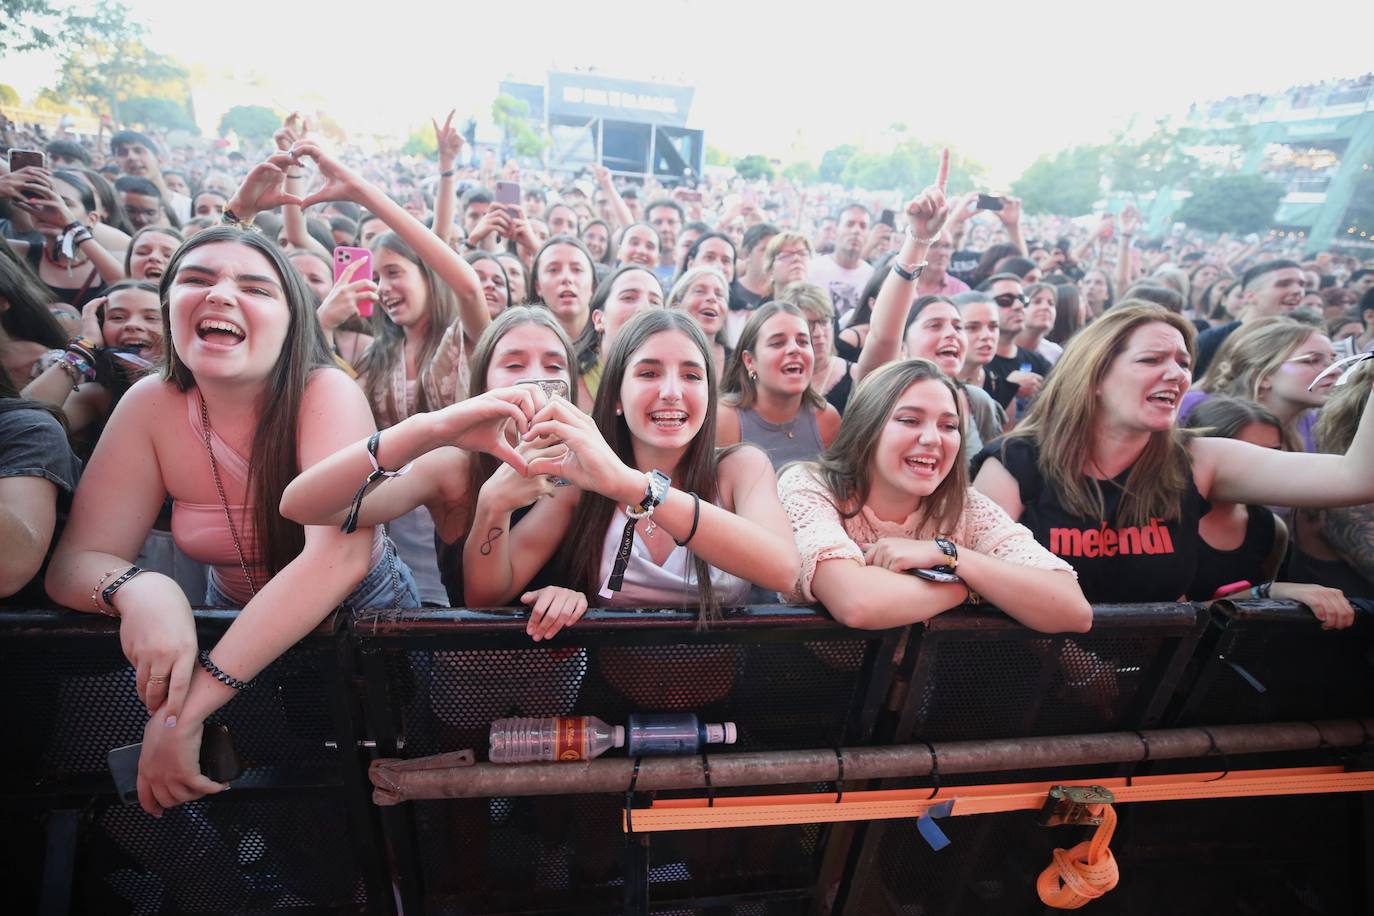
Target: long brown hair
1339,417
378,362
579,561
735,381
846,467
1063,422
1252,354
481,465
273,459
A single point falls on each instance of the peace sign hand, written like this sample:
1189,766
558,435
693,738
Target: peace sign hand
928,211
449,141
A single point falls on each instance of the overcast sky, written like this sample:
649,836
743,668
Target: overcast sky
1004,81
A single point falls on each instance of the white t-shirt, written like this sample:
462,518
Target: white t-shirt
842,283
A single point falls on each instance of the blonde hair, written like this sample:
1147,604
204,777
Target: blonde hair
810,298
1253,353
770,254
1340,415
684,283
1063,422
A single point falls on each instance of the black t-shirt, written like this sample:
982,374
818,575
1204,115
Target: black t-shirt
743,299
999,367
1115,563
1216,568
964,263
1209,342
33,444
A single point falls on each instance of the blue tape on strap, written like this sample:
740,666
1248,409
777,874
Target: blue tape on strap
930,831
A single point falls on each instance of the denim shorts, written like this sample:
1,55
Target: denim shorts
379,588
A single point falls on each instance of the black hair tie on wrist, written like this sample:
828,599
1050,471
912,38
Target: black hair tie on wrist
696,519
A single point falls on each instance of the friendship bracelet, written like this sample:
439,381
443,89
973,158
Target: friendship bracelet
227,680
696,517
448,173
228,218
111,611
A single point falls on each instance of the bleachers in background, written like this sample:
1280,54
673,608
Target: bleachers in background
299,832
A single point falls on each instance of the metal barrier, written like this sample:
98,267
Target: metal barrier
299,830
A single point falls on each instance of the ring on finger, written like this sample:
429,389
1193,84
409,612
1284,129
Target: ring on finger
158,678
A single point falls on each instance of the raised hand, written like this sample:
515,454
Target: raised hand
495,220
340,182
963,210
343,300
479,423
90,321
293,130
49,211
1130,220
19,187
1106,227
928,211
589,462
449,141
264,188
1010,214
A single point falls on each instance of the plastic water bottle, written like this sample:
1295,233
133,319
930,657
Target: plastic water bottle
674,734
552,738
586,737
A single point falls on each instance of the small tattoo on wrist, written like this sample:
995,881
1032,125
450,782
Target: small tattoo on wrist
492,537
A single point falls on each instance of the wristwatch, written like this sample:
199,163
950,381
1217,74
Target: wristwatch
655,491
949,549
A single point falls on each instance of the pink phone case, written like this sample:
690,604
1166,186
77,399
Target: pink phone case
346,255
508,192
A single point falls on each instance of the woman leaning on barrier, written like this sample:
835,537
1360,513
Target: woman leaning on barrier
891,497
1101,473
246,399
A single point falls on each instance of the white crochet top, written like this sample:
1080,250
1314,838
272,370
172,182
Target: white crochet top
823,535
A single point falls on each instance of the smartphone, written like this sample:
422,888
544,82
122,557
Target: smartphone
989,202
23,158
889,218
554,388
508,192
937,574
218,761
344,257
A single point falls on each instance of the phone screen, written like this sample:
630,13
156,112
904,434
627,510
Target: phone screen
23,158
989,202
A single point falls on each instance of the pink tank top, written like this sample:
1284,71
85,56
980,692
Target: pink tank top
202,532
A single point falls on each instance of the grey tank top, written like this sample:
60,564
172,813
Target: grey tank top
798,440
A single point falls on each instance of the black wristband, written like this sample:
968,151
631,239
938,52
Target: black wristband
696,518
108,593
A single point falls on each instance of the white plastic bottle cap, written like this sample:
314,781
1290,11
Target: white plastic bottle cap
618,736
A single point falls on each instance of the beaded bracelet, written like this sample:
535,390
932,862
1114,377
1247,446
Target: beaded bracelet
111,611
227,680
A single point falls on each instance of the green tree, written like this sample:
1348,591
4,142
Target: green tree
1152,163
147,111
909,166
1067,183
833,162
105,61
800,172
754,166
28,25
716,156
512,115
253,123
421,142
1239,204
8,95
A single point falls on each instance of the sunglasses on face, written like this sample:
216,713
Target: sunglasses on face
1007,300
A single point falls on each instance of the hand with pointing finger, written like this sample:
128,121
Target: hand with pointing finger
449,141
928,211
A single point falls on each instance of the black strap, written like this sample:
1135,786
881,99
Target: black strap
706,775
839,774
622,560
696,518
350,524
1214,750
934,770
1145,743
630,797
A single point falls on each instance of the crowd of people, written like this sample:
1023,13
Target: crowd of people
308,380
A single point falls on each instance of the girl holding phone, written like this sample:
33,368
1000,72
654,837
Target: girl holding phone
674,520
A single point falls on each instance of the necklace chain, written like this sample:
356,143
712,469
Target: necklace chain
219,488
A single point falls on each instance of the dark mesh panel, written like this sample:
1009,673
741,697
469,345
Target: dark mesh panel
223,854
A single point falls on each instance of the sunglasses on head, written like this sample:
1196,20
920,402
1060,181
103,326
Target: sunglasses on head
1007,300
